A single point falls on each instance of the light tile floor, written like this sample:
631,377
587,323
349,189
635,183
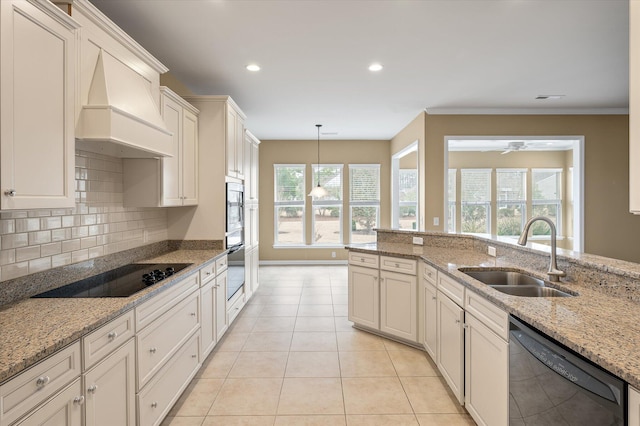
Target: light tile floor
292,358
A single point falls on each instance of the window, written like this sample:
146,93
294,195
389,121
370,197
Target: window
546,199
408,198
475,201
451,200
327,211
511,197
289,204
364,201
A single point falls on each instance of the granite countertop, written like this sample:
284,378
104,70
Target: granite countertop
604,329
32,329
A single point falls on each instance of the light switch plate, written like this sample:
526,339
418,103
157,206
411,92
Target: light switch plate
491,251
418,240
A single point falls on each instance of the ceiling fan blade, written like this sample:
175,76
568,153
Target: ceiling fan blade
506,152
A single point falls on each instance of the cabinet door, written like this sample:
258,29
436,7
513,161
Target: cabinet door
634,407
207,312
37,82
189,171
240,151
364,296
248,273
110,389
486,374
64,408
255,170
230,146
222,320
398,305
171,166
450,354
430,325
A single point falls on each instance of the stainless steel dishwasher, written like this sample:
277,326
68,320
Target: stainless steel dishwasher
551,385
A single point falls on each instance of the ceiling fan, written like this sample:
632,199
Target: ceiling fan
514,146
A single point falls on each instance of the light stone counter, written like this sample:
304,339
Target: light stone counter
32,329
601,327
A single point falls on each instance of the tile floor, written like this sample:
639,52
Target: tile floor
292,358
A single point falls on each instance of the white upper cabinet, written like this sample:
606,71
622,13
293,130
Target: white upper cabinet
168,181
37,87
252,167
235,142
634,106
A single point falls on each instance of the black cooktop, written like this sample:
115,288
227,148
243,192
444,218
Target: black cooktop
120,282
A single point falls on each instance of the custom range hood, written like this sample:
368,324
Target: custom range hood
121,118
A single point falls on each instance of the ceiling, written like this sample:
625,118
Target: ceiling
492,56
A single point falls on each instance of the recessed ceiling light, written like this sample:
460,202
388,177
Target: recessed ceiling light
375,67
545,97
253,67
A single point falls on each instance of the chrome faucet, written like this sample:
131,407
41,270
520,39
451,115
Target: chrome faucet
554,273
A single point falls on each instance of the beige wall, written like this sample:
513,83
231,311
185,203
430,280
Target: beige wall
305,152
610,230
169,80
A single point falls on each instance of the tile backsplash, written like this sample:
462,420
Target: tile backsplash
37,240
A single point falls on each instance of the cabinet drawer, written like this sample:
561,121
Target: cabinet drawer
397,264
207,273
429,273
64,408
161,339
363,259
155,401
451,288
235,308
488,313
102,341
158,305
24,392
221,264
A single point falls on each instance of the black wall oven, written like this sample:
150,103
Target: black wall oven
235,238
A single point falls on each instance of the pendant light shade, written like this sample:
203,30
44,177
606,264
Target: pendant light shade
318,191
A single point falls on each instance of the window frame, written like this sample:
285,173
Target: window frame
319,203
367,203
521,202
282,204
488,204
557,202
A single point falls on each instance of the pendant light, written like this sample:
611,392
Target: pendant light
318,191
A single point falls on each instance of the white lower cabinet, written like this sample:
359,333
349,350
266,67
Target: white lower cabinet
634,407
157,398
450,353
364,296
207,318
110,389
430,317
398,305
64,408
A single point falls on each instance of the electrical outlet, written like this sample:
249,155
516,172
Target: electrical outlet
418,240
491,251
333,254
436,221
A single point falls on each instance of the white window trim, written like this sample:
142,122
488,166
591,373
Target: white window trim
368,203
277,204
327,203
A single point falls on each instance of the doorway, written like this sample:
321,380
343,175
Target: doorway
405,188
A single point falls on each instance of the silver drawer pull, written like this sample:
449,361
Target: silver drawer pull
153,350
112,335
92,389
78,400
154,404
42,381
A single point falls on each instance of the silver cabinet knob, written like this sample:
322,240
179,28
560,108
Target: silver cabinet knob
397,265
78,400
153,350
208,273
92,389
42,381
154,404
10,192
194,356
433,298
112,335
193,314
457,321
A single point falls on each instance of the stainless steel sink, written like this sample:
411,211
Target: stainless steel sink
497,277
515,283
